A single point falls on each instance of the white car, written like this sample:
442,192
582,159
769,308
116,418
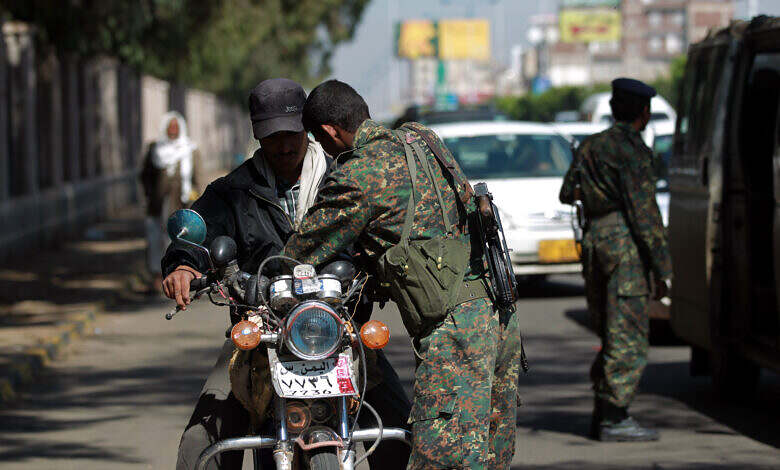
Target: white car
575,132
523,164
596,108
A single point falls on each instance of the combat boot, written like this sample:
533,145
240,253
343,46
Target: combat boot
627,430
613,424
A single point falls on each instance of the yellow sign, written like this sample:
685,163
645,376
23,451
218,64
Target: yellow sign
590,25
416,39
464,39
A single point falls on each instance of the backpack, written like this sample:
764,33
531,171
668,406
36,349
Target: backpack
424,277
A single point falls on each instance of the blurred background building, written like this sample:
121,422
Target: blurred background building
642,38
592,41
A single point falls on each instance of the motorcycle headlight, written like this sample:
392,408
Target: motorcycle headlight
313,330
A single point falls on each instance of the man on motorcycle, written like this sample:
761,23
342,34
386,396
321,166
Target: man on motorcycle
260,204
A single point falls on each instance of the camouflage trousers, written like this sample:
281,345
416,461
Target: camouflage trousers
617,294
465,392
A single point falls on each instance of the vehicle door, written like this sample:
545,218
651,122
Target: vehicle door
759,140
695,183
776,225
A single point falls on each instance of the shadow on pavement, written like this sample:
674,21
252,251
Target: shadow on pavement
758,419
128,391
564,375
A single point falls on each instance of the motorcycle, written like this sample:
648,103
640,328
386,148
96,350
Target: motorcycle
299,326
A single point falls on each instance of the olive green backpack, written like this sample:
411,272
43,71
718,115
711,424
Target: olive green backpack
423,277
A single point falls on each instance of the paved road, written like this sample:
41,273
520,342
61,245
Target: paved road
121,398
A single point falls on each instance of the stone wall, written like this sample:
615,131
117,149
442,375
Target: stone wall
73,132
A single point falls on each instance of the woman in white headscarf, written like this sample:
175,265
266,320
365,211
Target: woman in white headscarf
169,182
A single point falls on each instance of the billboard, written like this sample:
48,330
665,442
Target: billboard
590,3
464,39
445,39
416,38
589,25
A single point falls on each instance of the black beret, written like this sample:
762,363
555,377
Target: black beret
635,87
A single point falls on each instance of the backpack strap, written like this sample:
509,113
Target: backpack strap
410,208
427,167
447,166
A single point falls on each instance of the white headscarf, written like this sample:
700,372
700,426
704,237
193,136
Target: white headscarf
312,173
168,153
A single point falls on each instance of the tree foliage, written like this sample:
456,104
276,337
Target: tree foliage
542,107
224,46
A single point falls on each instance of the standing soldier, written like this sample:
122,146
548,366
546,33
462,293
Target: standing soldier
623,249
402,200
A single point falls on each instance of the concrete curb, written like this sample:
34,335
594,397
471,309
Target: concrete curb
30,363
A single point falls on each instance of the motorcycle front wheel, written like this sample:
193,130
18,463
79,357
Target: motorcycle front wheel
323,459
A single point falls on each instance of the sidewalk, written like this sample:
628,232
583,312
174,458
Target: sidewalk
50,298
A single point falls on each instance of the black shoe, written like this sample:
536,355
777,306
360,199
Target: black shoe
627,430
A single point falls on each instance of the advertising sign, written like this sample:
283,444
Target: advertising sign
445,39
416,38
464,39
590,25
590,3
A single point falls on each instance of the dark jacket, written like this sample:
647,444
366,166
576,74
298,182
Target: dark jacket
243,206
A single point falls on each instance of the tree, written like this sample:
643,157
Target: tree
543,107
669,86
224,46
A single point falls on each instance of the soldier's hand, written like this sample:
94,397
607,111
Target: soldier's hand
176,285
661,289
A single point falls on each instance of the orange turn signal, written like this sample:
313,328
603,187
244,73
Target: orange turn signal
375,334
245,335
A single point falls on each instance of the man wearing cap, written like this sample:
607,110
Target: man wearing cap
624,254
260,204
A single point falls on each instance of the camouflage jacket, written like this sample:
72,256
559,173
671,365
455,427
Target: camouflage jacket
363,202
616,174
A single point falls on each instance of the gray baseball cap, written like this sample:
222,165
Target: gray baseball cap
276,105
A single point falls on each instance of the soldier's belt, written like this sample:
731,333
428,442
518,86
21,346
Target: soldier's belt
472,290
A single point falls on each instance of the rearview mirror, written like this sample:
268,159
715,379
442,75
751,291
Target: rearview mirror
188,226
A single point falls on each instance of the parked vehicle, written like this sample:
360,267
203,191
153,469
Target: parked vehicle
568,115
724,180
302,354
575,132
596,108
523,164
430,116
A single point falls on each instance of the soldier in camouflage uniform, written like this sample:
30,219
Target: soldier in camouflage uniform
465,394
624,247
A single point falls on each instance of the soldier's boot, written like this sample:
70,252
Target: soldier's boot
595,419
615,425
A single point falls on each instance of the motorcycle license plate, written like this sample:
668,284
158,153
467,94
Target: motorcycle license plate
331,377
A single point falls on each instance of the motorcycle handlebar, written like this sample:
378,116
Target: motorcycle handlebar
199,283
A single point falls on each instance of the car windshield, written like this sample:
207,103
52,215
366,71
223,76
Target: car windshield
511,155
